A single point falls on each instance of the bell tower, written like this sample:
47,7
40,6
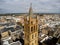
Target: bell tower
30,29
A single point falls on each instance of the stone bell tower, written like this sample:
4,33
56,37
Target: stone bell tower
30,29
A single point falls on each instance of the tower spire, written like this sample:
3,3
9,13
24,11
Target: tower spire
30,9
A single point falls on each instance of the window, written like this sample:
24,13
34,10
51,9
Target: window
32,36
32,43
34,27
35,41
36,35
27,44
31,22
31,29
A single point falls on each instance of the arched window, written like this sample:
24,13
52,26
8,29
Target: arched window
32,43
31,29
32,36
